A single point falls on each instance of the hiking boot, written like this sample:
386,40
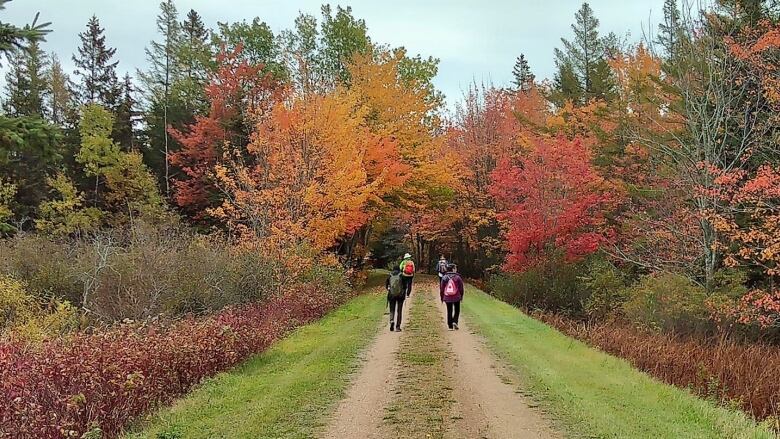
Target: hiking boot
392,327
398,328
455,326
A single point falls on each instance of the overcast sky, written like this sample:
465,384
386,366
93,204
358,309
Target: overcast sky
475,40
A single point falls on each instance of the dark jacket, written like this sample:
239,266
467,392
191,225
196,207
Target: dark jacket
458,285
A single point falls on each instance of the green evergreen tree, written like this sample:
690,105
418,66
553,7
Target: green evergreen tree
523,78
669,31
26,82
194,57
13,38
163,72
126,117
97,73
566,84
586,56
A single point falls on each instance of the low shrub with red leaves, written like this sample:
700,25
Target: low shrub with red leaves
103,380
746,374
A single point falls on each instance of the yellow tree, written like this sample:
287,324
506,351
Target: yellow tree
404,111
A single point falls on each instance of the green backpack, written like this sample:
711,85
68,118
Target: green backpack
396,290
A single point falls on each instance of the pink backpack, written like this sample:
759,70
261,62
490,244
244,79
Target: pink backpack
451,289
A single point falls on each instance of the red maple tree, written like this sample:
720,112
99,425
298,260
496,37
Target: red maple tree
552,198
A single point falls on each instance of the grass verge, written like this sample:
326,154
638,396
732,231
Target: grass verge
285,392
593,394
424,396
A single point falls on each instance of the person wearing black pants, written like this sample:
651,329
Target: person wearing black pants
396,303
451,292
395,298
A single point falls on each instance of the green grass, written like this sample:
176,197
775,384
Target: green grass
286,392
592,394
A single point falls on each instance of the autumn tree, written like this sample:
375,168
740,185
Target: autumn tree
61,105
65,213
551,199
309,181
238,92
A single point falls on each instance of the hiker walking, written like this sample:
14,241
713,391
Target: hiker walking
407,273
441,267
395,297
451,293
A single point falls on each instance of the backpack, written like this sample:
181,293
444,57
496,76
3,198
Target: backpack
442,268
396,289
409,268
451,289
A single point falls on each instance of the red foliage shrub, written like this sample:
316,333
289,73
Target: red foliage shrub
105,379
726,370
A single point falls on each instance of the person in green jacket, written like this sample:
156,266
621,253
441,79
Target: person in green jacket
407,273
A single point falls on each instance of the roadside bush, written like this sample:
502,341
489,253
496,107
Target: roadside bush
554,286
149,271
23,317
101,381
606,288
667,302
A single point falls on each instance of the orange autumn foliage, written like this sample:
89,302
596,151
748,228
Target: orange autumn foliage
312,173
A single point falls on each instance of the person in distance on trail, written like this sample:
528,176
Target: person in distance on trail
395,297
451,293
441,267
407,273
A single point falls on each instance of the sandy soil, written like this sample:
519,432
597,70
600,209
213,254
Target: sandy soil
360,414
488,403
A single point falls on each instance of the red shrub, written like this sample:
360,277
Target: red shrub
64,388
729,371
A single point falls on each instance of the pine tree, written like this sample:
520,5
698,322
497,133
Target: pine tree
126,116
94,67
26,82
669,29
585,54
524,79
164,71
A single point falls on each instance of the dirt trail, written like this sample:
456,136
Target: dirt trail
428,382
488,403
360,414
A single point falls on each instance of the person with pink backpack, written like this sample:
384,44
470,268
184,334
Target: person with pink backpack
451,293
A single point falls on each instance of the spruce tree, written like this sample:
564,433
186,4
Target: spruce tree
26,82
669,29
94,67
585,55
126,116
14,38
163,72
523,78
